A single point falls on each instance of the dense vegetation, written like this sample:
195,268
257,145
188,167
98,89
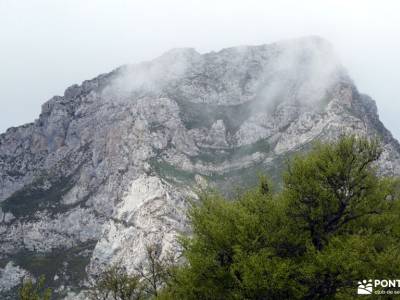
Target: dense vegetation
334,222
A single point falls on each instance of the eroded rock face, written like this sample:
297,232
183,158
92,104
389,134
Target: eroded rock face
151,212
11,276
107,168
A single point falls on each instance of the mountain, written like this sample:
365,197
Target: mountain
109,167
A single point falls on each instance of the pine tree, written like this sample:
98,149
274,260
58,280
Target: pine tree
335,222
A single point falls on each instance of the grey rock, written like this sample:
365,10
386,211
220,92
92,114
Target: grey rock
107,168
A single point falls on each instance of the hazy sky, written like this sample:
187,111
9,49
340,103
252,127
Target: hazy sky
48,45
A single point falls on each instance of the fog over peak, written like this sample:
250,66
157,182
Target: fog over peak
306,66
49,45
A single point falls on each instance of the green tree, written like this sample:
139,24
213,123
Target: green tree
145,282
115,283
335,222
34,291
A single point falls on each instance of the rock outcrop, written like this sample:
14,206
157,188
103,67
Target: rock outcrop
108,168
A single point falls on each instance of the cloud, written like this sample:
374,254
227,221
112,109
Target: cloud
151,76
49,45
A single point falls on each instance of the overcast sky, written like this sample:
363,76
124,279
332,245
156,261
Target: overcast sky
48,45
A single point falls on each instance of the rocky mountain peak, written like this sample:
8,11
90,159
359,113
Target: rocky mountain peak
107,168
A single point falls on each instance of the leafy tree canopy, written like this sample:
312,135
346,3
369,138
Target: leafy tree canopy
335,222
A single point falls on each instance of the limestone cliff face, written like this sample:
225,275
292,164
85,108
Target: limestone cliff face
108,167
